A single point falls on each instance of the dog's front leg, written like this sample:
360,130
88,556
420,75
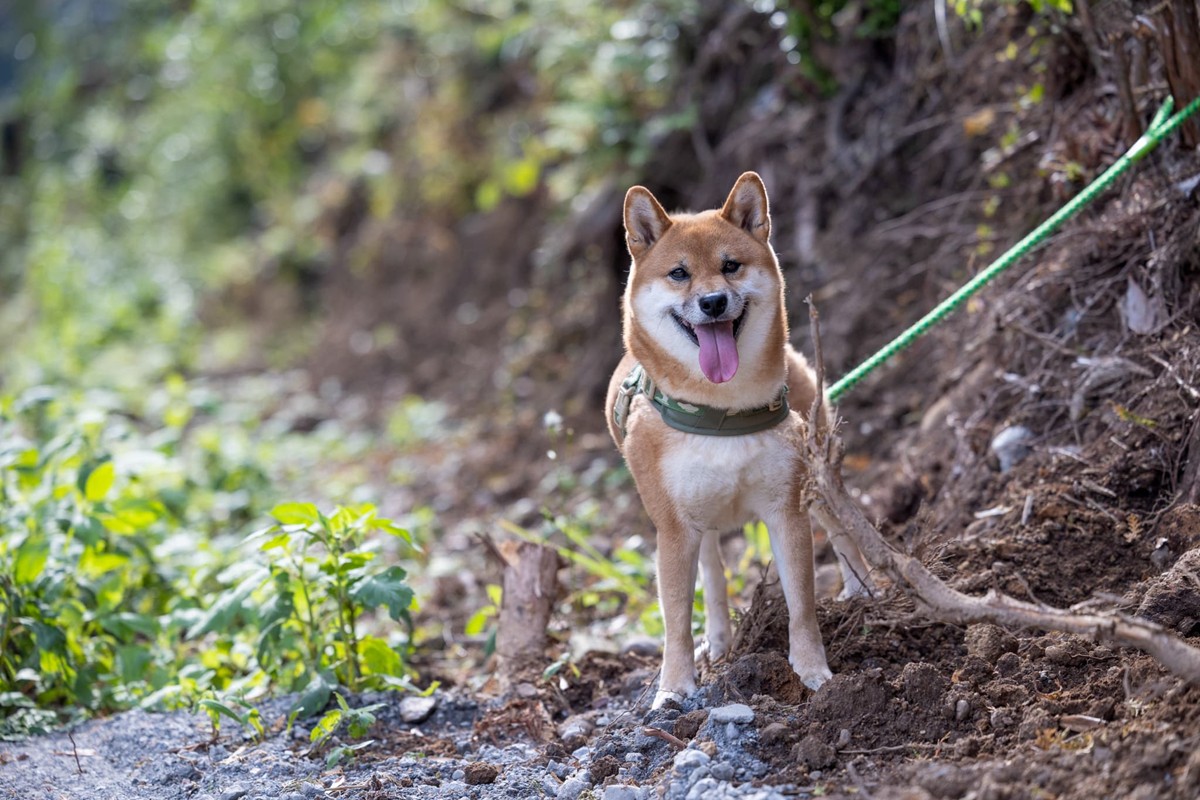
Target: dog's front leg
791,542
678,553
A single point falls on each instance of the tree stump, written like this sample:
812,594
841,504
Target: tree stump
530,589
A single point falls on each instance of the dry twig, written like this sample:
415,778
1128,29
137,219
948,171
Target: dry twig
944,604
669,738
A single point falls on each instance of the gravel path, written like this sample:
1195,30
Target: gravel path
138,755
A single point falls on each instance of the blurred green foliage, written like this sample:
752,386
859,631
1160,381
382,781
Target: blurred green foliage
128,573
165,167
160,152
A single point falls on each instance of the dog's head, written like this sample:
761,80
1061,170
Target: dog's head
705,291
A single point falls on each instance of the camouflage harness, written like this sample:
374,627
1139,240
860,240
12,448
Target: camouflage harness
689,418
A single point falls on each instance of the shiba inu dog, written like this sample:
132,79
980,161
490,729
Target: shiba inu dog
708,408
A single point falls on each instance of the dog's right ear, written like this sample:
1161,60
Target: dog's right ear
645,220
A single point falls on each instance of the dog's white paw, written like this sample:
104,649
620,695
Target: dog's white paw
854,588
662,696
813,676
713,649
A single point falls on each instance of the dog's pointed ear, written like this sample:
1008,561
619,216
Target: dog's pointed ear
747,207
645,220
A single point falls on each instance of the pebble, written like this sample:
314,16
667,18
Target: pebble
558,769
551,786
571,789
731,731
690,759
621,793
722,771
961,709
735,712
235,792
1011,446
458,775
417,709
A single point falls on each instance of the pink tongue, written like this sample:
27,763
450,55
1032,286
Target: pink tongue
718,351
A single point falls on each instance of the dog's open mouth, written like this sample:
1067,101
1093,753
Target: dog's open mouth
718,345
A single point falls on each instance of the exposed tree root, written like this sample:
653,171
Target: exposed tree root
944,604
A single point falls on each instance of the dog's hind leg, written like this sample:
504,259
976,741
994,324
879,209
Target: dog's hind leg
791,542
717,631
856,575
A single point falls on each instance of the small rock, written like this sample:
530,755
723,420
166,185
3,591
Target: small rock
458,775
689,759
735,712
571,789
581,754
558,769
414,710
574,731
702,789
1011,446
235,792
621,793
731,731
313,790
961,709
722,771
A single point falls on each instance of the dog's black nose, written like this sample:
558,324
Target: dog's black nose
714,304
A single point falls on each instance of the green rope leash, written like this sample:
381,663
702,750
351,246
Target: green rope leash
1159,128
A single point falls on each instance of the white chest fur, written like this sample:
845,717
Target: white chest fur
718,483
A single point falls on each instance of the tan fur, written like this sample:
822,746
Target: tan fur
696,487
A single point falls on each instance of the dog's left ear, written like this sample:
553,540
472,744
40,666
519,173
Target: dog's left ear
747,207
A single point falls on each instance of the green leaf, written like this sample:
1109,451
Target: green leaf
132,514
216,709
326,726
99,482
478,621
296,513
315,697
230,606
31,559
385,588
378,658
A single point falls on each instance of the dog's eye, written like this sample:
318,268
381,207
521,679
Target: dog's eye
678,274
729,266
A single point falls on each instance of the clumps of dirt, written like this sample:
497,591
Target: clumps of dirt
1173,598
479,772
760,673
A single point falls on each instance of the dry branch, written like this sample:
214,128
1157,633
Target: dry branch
944,604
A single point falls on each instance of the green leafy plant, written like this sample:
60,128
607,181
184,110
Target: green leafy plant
321,577
218,709
357,721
